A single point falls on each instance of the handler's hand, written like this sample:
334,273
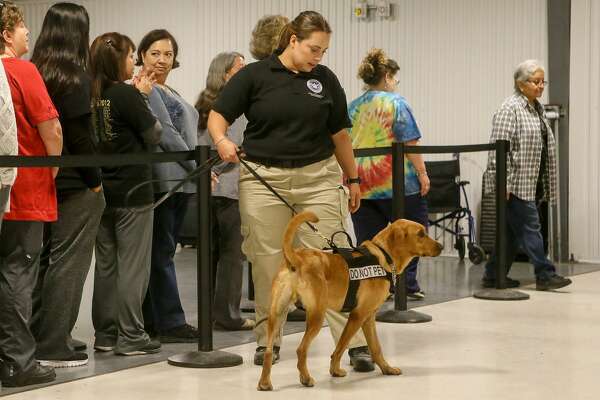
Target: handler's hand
228,151
354,200
425,184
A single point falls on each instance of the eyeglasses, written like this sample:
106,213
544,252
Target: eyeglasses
539,83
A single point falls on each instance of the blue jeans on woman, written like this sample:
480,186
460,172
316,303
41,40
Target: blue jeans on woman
524,231
162,306
374,215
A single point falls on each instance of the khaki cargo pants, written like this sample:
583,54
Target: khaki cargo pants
316,187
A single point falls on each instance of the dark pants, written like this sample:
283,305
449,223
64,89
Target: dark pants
4,196
374,215
524,230
162,306
121,278
227,261
63,269
20,248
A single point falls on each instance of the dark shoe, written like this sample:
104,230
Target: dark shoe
104,345
259,355
180,334
418,295
360,359
34,376
78,345
74,360
554,282
491,283
247,325
153,346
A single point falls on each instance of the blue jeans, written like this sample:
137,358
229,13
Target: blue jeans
524,231
162,306
374,215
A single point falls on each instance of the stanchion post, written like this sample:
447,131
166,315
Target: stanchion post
500,292
400,313
205,357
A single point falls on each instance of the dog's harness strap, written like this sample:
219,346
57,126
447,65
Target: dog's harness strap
364,266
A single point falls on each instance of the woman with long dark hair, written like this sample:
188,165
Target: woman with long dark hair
123,124
61,55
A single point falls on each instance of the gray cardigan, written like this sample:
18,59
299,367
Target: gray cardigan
8,130
179,121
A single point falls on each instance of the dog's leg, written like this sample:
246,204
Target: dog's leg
354,323
281,296
315,314
375,347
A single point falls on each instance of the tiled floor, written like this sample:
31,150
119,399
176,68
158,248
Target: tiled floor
538,348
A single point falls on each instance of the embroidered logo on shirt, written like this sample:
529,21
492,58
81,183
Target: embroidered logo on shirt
366,272
314,86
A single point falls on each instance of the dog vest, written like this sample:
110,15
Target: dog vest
364,266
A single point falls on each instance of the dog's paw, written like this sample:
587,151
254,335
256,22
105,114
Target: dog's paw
391,371
264,386
337,372
307,381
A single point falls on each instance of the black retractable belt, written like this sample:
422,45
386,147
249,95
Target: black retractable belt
191,175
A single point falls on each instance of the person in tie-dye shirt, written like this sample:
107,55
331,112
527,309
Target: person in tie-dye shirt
379,117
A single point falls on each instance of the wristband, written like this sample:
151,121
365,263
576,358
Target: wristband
353,180
220,140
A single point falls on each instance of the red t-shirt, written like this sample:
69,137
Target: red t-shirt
33,195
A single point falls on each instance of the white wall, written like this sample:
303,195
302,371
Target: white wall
584,141
456,56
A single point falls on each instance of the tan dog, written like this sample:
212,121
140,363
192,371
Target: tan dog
321,280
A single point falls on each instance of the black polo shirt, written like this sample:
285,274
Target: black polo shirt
291,116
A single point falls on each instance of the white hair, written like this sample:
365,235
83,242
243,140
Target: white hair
525,70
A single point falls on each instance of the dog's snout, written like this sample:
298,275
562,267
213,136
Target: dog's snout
440,246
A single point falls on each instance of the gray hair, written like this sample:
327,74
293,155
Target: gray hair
215,81
525,70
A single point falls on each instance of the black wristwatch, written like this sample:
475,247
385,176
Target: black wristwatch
353,180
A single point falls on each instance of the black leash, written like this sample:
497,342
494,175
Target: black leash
266,184
191,175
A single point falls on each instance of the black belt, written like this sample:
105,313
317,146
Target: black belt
278,163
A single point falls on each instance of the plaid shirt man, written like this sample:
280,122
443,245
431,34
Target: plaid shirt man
519,122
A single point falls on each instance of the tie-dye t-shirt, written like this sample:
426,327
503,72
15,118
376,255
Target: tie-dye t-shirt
378,119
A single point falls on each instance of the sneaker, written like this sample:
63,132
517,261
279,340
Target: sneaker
247,325
152,347
491,283
360,359
104,345
259,355
180,334
78,345
74,360
37,374
418,295
554,282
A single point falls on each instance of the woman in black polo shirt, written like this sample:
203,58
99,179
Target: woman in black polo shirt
297,120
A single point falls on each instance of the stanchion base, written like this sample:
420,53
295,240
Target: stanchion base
205,359
402,317
501,294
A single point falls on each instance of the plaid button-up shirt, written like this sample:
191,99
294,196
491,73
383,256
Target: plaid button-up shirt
519,122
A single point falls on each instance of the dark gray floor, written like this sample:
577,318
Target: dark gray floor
443,279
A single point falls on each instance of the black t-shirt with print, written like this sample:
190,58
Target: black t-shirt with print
120,117
291,116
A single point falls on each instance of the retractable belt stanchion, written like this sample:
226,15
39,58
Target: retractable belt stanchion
400,313
205,357
500,292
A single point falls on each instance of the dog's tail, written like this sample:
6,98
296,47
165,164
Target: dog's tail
288,238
